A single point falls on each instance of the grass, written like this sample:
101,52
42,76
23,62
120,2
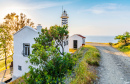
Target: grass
122,47
19,80
98,43
84,75
92,55
2,63
72,50
77,55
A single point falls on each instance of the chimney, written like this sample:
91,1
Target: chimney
39,27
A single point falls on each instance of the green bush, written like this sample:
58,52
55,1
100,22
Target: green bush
52,71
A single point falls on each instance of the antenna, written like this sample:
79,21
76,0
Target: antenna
62,8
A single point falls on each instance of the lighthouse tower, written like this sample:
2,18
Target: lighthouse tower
64,21
64,18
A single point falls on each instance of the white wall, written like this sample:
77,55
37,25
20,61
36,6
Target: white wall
66,47
24,36
83,41
75,37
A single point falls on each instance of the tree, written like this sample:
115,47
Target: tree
57,33
123,38
52,67
12,24
60,34
16,22
5,43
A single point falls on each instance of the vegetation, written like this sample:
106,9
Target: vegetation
5,39
2,63
12,24
123,43
92,55
73,60
123,38
84,75
57,33
52,63
16,22
19,80
98,43
83,72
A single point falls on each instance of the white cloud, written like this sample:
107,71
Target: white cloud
33,5
102,8
42,5
96,11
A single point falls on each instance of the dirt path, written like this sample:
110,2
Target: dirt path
114,66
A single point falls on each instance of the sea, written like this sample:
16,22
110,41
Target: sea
101,39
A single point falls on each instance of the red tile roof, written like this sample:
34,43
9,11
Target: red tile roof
80,35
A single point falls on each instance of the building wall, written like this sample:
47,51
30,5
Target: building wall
75,37
66,47
24,36
83,41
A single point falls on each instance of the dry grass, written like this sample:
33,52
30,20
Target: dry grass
2,63
19,80
121,47
98,43
72,50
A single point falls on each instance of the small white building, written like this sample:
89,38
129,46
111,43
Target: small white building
76,41
23,40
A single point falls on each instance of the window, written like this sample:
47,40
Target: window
19,67
26,49
66,42
64,18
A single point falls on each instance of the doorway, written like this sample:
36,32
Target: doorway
75,43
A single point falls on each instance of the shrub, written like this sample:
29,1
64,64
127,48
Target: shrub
110,43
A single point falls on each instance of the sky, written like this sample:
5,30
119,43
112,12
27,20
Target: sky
86,17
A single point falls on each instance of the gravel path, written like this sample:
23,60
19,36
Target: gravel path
114,66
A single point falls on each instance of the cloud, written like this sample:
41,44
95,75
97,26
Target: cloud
41,5
32,5
102,8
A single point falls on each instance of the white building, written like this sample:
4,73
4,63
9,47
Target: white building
76,41
23,40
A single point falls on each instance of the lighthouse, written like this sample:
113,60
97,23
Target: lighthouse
64,18
64,21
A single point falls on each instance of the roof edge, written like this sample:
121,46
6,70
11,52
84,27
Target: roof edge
79,35
25,27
